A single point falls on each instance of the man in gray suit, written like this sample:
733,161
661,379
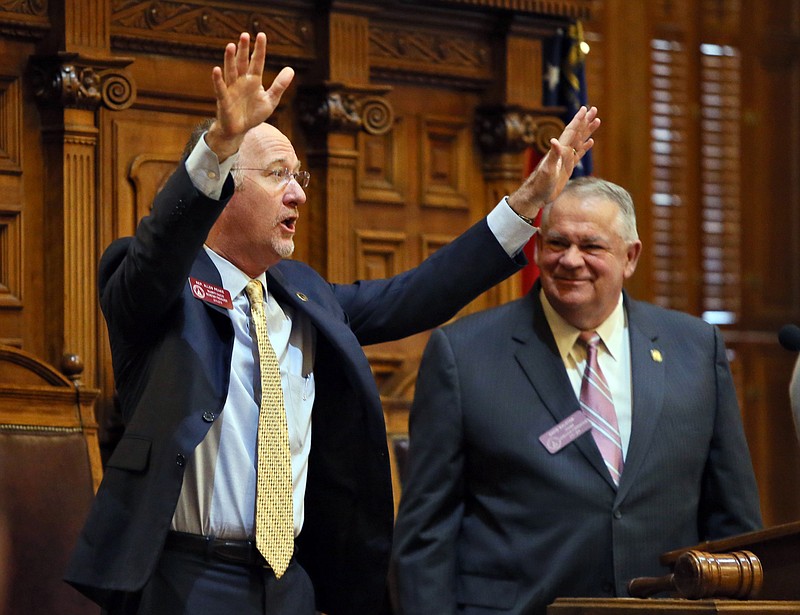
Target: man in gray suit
509,502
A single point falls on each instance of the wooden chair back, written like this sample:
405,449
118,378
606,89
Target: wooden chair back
50,468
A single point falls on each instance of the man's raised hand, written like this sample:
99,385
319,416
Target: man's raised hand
242,101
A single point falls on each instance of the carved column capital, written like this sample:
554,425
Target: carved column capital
510,129
74,81
333,107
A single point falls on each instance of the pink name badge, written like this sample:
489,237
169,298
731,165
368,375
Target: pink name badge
565,432
215,295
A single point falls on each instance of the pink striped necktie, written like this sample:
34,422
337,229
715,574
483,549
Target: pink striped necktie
597,404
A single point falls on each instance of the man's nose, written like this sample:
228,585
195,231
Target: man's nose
294,194
571,257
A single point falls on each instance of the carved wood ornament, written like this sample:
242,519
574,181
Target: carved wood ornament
71,81
337,108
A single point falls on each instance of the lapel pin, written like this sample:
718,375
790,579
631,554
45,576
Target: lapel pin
301,296
656,354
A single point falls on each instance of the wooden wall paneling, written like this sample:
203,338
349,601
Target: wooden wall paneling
429,156
762,373
20,215
767,35
10,125
770,236
70,306
74,76
468,96
118,84
771,165
380,176
617,69
445,143
384,211
11,207
330,109
512,121
380,254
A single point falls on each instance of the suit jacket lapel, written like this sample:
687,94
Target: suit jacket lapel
204,269
539,358
647,377
335,330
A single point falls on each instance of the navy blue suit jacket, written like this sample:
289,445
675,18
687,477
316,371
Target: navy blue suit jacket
491,522
171,355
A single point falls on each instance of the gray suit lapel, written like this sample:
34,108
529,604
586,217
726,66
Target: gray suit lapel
539,358
647,376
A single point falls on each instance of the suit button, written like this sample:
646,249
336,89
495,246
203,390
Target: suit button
180,460
618,514
209,416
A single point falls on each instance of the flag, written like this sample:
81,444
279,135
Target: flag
564,85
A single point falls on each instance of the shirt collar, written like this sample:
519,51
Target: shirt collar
233,279
611,330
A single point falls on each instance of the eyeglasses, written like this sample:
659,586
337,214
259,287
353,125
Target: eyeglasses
283,176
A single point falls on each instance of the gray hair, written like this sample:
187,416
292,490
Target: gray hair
596,187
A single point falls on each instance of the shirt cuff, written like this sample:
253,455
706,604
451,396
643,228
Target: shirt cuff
511,231
205,170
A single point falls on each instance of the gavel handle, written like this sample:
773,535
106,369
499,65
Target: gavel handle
644,587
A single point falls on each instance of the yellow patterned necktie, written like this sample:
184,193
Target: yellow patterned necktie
274,511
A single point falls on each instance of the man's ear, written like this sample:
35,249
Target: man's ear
632,254
537,246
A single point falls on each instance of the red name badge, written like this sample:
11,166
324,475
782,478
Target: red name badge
565,432
215,295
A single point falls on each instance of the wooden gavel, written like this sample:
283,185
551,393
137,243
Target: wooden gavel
697,574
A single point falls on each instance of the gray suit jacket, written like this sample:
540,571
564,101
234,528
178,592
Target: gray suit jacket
491,522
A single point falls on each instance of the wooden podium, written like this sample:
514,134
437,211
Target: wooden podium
754,573
646,606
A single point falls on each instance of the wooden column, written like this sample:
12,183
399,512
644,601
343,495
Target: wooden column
70,83
334,108
514,121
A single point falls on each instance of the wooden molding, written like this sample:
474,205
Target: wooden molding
444,142
380,254
433,241
25,19
379,178
512,129
10,126
81,82
192,28
336,107
414,54
10,260
575,9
